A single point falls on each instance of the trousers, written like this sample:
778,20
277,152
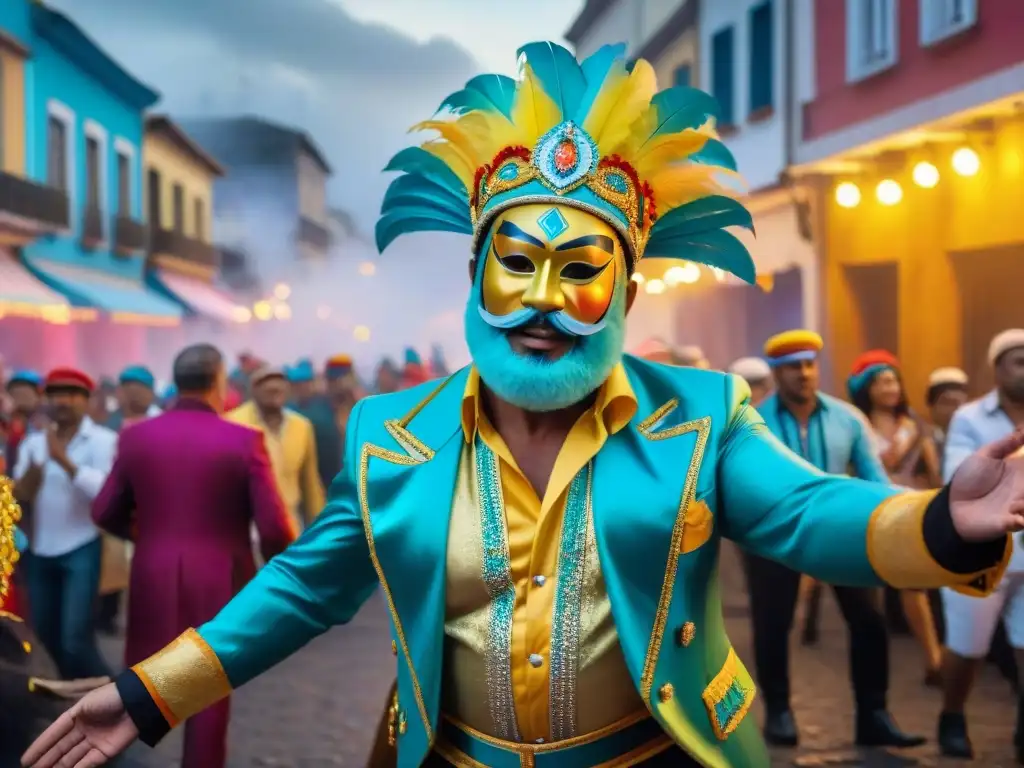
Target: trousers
62,607
774,589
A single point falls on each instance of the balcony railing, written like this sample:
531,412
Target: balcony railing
130,236
168,242
314,233
92,227
41,207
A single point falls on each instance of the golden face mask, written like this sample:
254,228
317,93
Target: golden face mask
551,259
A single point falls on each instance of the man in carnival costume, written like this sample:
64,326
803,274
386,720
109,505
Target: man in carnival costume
545,523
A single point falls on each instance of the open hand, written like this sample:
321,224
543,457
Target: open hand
55,447
987,492
93,731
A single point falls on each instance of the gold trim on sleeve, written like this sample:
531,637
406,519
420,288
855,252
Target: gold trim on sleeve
899,555
184,678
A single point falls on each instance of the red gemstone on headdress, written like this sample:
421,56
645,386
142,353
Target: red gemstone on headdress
565,156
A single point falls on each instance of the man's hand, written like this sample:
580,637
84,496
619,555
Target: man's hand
25,490
93,731
987,492
57,448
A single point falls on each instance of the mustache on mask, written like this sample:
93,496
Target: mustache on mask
559,320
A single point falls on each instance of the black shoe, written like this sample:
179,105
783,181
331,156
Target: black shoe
780,729
952,736
876,728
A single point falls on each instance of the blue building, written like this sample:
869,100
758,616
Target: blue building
84,128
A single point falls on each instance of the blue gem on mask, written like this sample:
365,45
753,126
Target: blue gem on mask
565,156
617,182
508,172
552,223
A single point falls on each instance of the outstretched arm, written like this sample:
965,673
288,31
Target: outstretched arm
321,580
840,530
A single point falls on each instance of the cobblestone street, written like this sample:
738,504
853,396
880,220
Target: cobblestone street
322,706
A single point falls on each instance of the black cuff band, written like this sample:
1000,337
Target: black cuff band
948,549
141,708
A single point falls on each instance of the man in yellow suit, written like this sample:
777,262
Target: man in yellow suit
290,441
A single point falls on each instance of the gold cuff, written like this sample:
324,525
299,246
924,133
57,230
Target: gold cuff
899,555
184,678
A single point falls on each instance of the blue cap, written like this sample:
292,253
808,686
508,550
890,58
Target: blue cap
170,392
412,357
31,378
302,372
137,374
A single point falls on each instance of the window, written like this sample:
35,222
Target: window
124,184
682,75
870,37
941,19
200,214
92,172
762,58
722,74
57,153
178,201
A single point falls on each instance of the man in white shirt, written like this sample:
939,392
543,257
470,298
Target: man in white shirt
61,471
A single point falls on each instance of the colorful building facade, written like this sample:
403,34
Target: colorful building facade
83,129
911,133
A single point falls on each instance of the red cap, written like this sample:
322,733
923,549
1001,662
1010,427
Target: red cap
875,357
69,378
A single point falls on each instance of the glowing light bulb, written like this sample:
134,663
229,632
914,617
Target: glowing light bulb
361,333
926,175
283,312
367,269
282,291
719,274
241,314
888,192
848,195
966,161
638,278
674,275
263,310
690,273
655,286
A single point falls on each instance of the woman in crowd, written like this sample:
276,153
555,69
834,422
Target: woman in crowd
910,457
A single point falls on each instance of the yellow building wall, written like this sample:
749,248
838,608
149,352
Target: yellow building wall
177,167
12,112
918,234
681,51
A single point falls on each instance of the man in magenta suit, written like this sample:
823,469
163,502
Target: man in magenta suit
186,488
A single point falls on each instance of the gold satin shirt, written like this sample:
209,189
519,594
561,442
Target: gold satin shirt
604,690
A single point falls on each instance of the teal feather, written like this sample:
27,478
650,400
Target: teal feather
715,153
415,190
488,93
418,160
595,69
403,221
703,215
716,248
559,74
680,108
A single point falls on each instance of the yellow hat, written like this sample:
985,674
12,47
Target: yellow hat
792,346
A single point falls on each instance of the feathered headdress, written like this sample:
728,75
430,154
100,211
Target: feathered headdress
594,135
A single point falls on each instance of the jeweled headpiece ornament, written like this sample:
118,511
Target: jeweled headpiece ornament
595,135
10,514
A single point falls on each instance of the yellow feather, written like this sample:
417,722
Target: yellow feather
454,133
679,184
534,113
664,150
619,105
490,133
450,155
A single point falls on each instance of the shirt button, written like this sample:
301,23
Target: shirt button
536,659
540,581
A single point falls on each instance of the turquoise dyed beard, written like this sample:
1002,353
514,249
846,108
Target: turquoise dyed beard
532,382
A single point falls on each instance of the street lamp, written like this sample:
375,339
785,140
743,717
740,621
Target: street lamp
926,175
966,161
